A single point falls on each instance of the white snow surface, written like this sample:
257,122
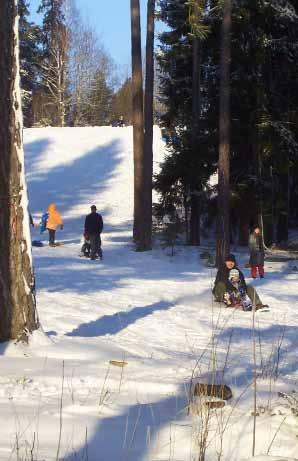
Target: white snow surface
62,399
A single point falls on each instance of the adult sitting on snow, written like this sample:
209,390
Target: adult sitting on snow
93,229
223,283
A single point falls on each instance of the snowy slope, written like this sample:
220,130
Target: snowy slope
150,310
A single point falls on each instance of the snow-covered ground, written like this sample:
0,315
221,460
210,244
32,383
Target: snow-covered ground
64,397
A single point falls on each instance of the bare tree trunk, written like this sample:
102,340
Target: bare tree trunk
195,234
195,217
17,297
138,124
148,119
223,229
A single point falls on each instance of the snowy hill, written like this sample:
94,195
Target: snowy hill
148,310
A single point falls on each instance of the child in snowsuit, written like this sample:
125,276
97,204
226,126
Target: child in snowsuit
257,253
86,247
53,220
236,295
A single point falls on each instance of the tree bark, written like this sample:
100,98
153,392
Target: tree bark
195,215
138,124
223,223
17,298
148,119
195,234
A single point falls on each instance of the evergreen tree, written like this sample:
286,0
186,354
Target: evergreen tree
185,71
30,56
141,233
54,63
148,122
100,100
264,108
263,82
122,102
223,199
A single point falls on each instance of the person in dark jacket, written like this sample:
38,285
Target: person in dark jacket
93,229
257,253
223,282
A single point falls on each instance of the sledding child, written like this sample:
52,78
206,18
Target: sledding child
50,221
86,247
236,295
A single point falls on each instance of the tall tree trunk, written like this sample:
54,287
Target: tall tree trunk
148,118
17,300
223,223
195,234
195,217
138,124
283,218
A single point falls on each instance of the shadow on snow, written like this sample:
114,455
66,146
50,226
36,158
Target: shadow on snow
130,435
113,324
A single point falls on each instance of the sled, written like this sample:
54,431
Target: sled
37,243
264,308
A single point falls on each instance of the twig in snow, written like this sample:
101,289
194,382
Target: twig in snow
276,432
61,414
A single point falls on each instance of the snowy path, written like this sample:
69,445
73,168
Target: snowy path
147,309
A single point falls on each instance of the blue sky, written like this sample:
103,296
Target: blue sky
112,21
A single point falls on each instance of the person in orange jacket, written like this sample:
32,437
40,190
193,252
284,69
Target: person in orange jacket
53,221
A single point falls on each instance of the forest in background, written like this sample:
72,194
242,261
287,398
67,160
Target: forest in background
67,75
263,114
68,79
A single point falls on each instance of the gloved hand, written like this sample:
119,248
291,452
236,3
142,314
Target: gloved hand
227,299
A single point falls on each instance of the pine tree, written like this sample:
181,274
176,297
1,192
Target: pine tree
54,64
148,123
223,217
263,84
264,104
185,76
99,101
30,56
18,311
122,102
140,235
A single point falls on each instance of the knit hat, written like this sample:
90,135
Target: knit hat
230,257
234,273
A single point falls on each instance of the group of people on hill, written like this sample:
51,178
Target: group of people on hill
52,220
230,286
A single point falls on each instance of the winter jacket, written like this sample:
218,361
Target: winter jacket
223,275
93,224
256,247
54,218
